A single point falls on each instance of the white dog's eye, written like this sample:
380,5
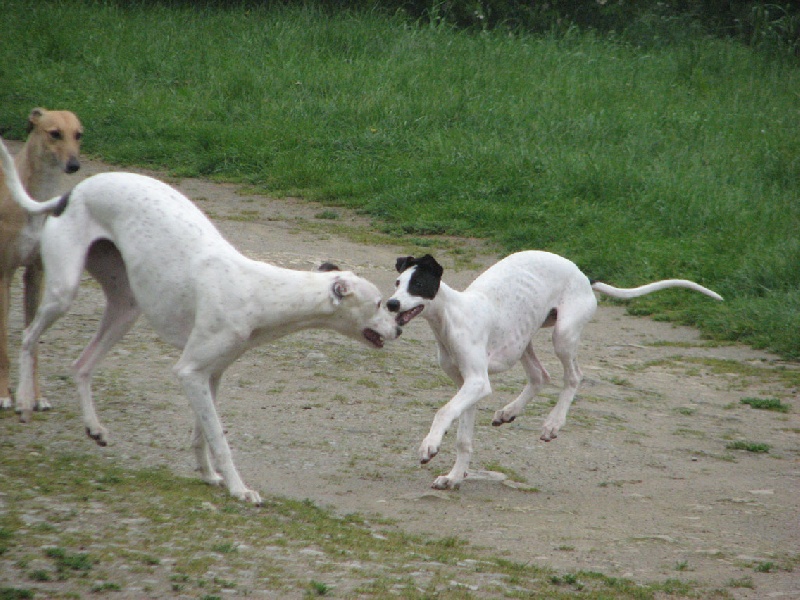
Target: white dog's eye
396,283
378,305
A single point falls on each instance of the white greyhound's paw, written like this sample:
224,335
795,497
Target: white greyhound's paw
6,403
42,404
503,416
249,496
428,450
549,432
98,433
443,482
212,478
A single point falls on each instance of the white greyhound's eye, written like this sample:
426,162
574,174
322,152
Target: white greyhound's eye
396,283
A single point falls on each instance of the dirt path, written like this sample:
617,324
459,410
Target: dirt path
640,483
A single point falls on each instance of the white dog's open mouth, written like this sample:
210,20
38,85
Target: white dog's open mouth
404,317
373,337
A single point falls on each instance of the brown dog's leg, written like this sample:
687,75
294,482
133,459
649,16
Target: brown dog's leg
5,388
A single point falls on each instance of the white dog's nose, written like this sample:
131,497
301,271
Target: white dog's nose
393,305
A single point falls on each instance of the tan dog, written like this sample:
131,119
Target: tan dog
52,149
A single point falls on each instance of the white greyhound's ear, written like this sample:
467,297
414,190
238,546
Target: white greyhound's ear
340,289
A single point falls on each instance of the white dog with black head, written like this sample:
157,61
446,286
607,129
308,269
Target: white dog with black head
489,327
154,252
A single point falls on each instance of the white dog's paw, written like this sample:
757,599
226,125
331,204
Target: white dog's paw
249,496
428,450
443,482
503,416
549,432
212,478
42,404
6,403
98,433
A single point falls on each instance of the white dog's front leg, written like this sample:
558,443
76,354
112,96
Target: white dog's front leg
466,426
198,389
207,471
470,393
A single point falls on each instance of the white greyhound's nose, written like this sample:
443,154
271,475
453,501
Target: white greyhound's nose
393,305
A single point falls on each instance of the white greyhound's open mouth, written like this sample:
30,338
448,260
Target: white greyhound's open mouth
404,317
373,337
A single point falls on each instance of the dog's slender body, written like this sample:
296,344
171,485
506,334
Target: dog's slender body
489,327
51,150
154,252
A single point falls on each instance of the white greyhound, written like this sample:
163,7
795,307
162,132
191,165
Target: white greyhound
489,326
154,252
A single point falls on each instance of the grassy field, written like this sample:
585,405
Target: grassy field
72,526
671,161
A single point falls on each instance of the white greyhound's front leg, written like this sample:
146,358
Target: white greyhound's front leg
197,386
466,427
474,388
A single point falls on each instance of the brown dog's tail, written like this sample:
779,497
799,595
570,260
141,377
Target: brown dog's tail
18,191
626,293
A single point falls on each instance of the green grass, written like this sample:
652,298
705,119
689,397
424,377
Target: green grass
674,161
766,404
175,534
755,447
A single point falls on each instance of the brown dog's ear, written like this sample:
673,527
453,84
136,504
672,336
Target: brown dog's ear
33,118
404,262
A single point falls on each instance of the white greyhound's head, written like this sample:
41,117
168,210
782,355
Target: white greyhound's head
417,285
360,312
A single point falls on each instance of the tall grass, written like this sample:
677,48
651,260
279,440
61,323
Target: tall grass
678,161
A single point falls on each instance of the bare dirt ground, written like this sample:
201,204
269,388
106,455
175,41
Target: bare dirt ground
640,483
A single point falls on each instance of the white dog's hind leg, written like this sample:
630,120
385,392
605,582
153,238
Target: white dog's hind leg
566,339
466,428
58,297
537,377
120,314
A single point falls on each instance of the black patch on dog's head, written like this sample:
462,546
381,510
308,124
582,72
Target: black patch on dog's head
426,277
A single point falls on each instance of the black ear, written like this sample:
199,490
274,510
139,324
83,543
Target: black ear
327,267
404,262
429,263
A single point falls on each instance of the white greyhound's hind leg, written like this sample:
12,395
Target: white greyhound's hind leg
59,294
466,428
566,339
105,264
537,377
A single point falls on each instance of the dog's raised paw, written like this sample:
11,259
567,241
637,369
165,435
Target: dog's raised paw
99,436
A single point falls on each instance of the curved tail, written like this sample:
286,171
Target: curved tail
18,191
626,293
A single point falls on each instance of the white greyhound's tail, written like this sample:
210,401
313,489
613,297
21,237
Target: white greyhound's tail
18,191
626,293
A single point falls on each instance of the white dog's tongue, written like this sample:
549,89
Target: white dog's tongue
404,317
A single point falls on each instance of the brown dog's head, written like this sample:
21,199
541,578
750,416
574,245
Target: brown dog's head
57,133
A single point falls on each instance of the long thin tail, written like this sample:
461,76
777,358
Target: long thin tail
643,290
18,191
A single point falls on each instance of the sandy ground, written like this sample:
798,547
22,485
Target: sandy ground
638,484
